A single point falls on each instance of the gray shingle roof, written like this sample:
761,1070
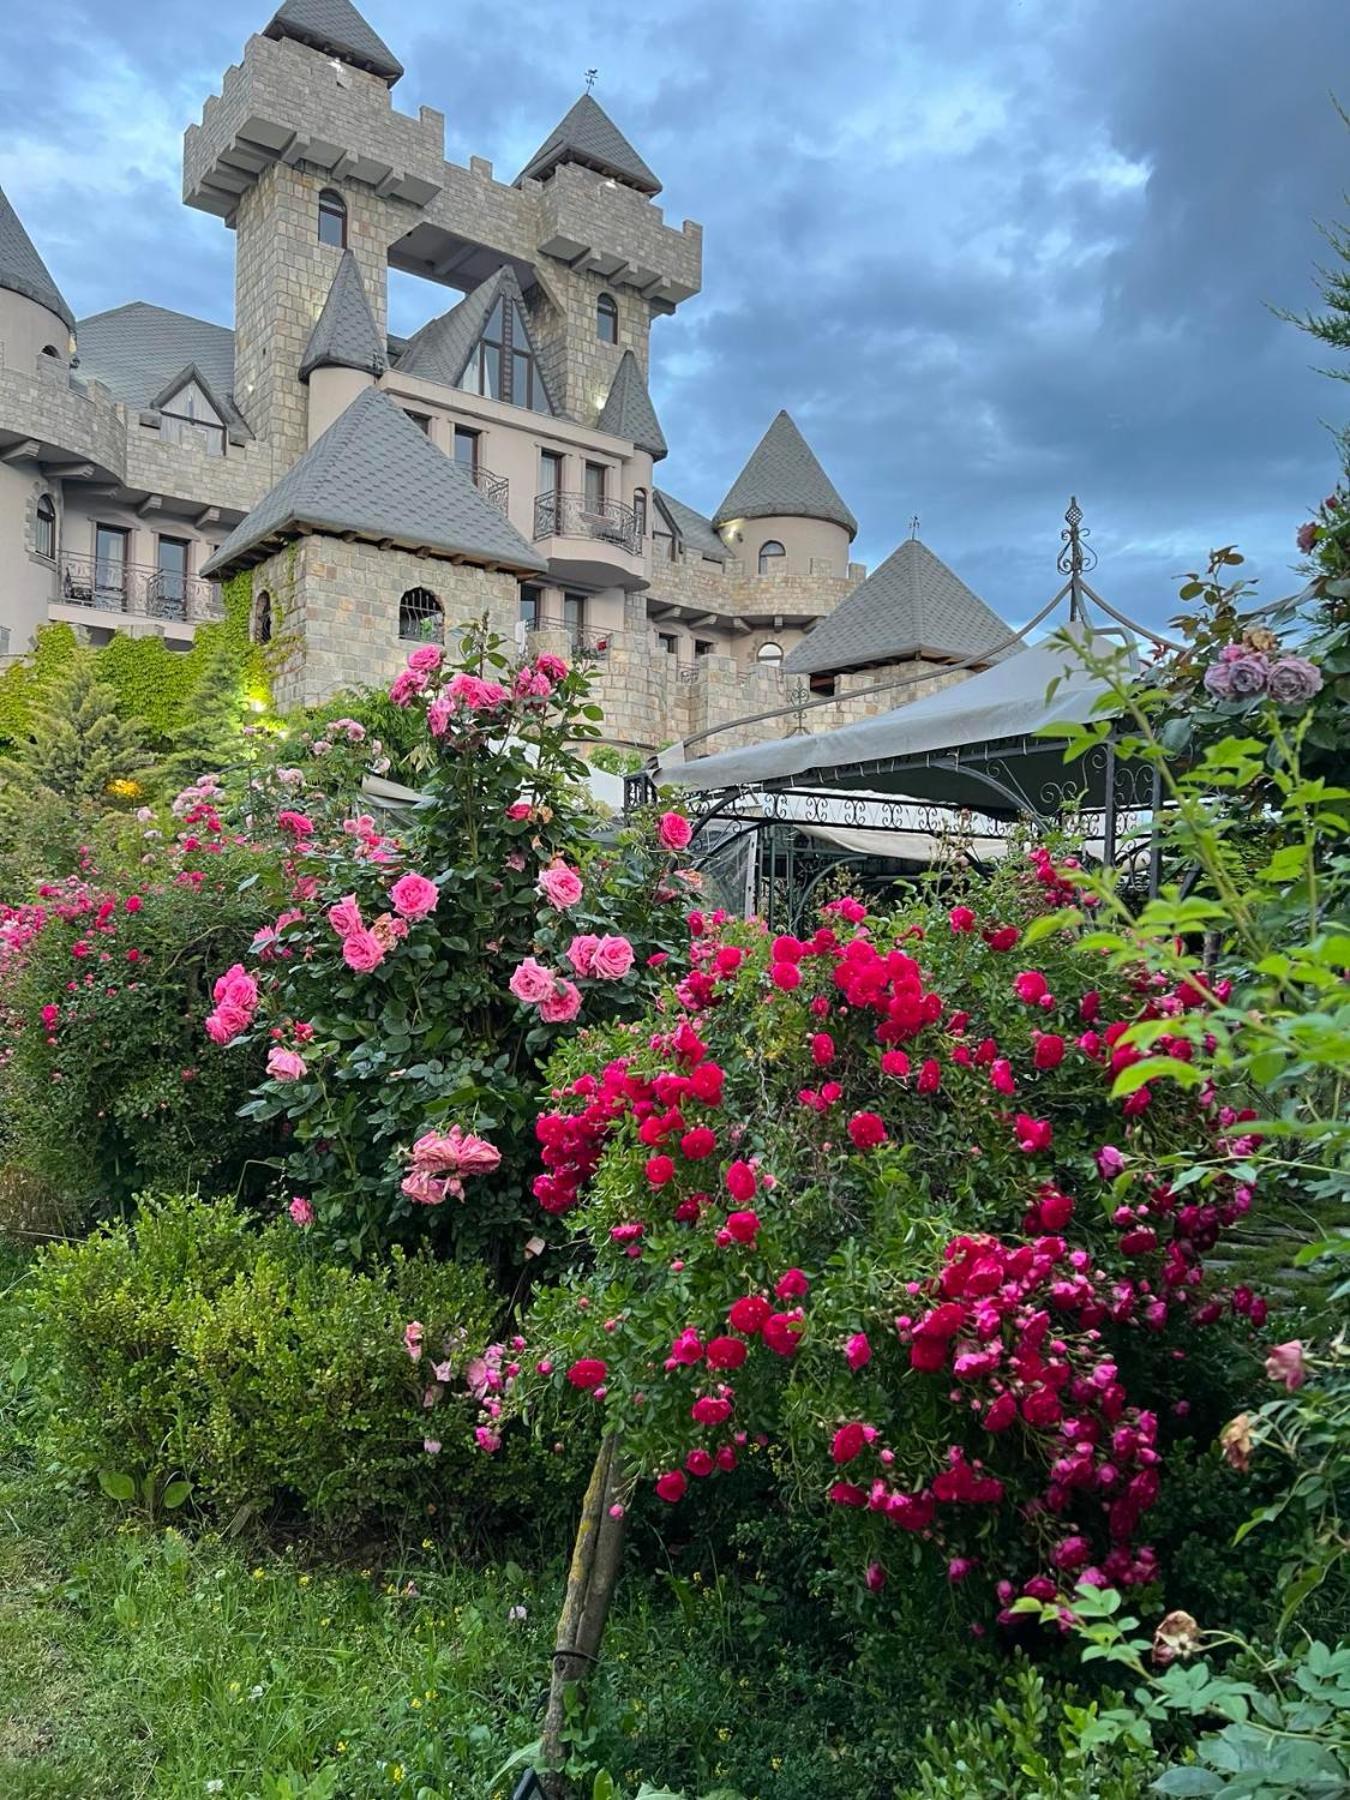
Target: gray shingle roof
696,531
373,473
440,351
628,411
337,27
783,479
344,336
588,135
912,605
137,349
23,271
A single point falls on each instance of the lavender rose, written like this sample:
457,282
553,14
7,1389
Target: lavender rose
1218,681
1248,676
1293,681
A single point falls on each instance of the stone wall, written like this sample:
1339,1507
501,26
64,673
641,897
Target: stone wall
578,367
335,608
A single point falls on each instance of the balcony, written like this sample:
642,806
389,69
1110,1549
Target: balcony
495,488
590,540
105,585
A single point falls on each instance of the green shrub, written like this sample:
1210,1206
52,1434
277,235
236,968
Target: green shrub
193,1346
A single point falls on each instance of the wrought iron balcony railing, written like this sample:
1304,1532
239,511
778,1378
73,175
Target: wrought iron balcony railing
579,516
109,585
495,488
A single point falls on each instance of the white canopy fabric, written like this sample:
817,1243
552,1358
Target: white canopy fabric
1010,700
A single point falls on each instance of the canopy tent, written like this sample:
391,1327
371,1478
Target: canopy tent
971,745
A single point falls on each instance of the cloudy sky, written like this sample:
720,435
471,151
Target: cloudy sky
987,252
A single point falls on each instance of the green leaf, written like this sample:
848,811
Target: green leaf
175,1494
1155,1068
116,1487
1189,1781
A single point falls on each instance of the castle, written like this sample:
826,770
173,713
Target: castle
500,461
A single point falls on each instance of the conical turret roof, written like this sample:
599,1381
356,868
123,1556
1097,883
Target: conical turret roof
335,26
23,271
911,605
374,475
344,336
628,412
588,135
783,480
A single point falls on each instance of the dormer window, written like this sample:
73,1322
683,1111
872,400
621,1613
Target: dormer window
332,219
607,319
188,417
503,364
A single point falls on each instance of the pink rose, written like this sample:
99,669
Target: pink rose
531,982
362,951
438,716
424,1188
426,657
224,1025
563,1004
518,810
301,1211
581,952
477,695
285,1065
674,830
612,960
559,885
414,896
1285,1363
345,917
238,987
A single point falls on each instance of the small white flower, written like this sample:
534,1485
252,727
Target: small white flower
517,1614
256,1693
215,1785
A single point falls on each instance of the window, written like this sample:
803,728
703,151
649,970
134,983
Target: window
550,472
262,618
531,605
702,647
502,365
822,686
421,617
607,319
110,565
668,642
769,552
52,351
769,653
466,448
171,570
44,536
594,490
332,219
640,512
574,615
421,420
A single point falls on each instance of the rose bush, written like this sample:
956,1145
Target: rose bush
865,1203
411,981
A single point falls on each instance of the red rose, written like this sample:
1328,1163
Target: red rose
867,1130
930,1076
848,1443
748,1314
1002,938
847,1493
588,1372
672,1486
961,918
1049,1050
706,1083
710,1409
743,1226
698,1143
727,1352
822,1049
660,1170
1001,1414
741,1181
1030,986
783,1332
791,1285
699,1462
785,975
1033,1135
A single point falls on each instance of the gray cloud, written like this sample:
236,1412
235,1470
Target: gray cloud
987,254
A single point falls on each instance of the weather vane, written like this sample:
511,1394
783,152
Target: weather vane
590,78
914,525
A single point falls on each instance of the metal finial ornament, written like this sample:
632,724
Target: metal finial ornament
914,525
591,75
1077,556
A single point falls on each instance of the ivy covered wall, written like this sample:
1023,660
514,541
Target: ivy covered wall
152,683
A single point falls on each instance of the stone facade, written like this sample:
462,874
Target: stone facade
684,634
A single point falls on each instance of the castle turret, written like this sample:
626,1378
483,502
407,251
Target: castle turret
34,318
344,354
783,514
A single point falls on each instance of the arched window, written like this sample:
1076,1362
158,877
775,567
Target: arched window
44,537
262,618
769,653
769,552
607,319
640,513
332,219
52,351
421,617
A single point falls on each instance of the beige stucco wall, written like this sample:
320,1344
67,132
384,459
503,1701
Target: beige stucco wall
26,579
26,329
331,392
813,546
